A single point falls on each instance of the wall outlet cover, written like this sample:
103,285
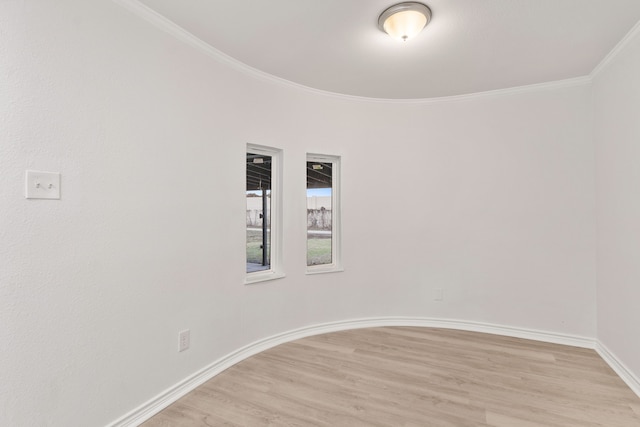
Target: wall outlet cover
185,340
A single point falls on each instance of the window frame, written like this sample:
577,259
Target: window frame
336,214
275,270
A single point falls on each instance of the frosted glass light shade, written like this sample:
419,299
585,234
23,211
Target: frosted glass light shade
404,20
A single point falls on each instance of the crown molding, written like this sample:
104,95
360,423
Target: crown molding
615,51
173,29
496,93
170,27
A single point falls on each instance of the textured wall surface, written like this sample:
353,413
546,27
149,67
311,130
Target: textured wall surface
148,238
617,135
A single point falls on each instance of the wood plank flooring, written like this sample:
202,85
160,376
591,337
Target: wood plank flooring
409,376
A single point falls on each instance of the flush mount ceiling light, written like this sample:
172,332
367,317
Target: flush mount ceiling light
403,21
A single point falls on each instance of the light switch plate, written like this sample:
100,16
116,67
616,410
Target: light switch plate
42,185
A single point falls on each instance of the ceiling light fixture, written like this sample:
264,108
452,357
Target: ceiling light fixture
403,21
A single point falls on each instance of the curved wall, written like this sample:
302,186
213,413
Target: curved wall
489,197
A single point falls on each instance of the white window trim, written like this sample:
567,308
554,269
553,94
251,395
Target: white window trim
275,271
336,214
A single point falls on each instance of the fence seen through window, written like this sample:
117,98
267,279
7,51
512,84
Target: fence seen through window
258,212
319,213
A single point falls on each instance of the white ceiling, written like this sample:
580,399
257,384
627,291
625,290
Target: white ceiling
470,45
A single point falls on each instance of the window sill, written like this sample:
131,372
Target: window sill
262,276
322,269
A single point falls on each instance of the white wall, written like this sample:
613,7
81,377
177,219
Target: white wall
617,135
148,238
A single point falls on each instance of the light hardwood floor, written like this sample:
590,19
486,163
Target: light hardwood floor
409,376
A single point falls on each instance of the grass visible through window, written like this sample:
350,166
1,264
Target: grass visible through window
254,246
318,250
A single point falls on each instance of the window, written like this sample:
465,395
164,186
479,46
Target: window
263,213
323,214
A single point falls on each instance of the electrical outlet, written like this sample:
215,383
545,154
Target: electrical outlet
185,340
439,294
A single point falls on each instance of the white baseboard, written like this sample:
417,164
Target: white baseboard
164,399
623,372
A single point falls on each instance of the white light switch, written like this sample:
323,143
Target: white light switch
42,185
